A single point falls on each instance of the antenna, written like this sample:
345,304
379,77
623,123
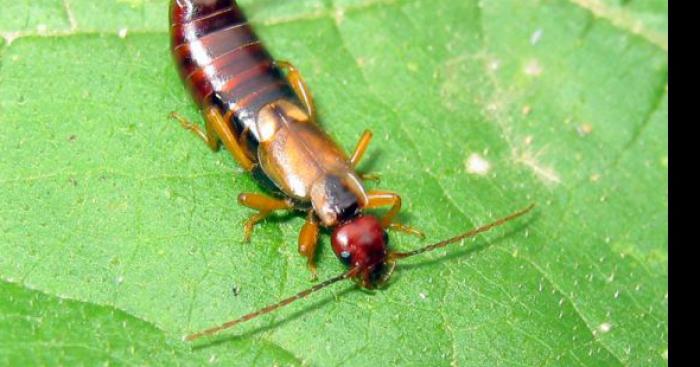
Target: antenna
354,271
470,233
270,308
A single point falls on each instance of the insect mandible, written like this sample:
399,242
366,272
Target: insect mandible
263,113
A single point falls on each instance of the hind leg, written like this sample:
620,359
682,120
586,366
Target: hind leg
217,131
209,136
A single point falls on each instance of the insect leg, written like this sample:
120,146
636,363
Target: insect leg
299,85
360,149
209,137
308,241
385,198
405,229
218,125
264,205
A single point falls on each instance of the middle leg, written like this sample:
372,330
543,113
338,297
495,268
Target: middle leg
360,149
299,85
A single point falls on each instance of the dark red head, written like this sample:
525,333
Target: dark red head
362,242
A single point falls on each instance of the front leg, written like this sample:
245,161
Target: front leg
308,241
378,199
265,206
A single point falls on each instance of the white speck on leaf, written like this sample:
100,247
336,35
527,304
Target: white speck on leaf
604,327
476,164
536,36
533,68
423,295
584,129
122,32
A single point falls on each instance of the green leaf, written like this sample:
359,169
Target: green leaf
45,329
120,232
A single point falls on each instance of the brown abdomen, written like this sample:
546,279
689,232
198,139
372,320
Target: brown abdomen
224,64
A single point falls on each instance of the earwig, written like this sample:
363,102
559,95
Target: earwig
261,110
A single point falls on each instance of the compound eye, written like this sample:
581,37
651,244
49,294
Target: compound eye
345,257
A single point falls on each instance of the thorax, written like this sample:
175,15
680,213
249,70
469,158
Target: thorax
306,164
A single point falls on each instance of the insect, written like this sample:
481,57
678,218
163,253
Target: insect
263,113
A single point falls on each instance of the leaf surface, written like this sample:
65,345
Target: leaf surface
120,232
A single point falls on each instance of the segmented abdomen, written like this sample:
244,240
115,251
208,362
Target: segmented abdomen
223,62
